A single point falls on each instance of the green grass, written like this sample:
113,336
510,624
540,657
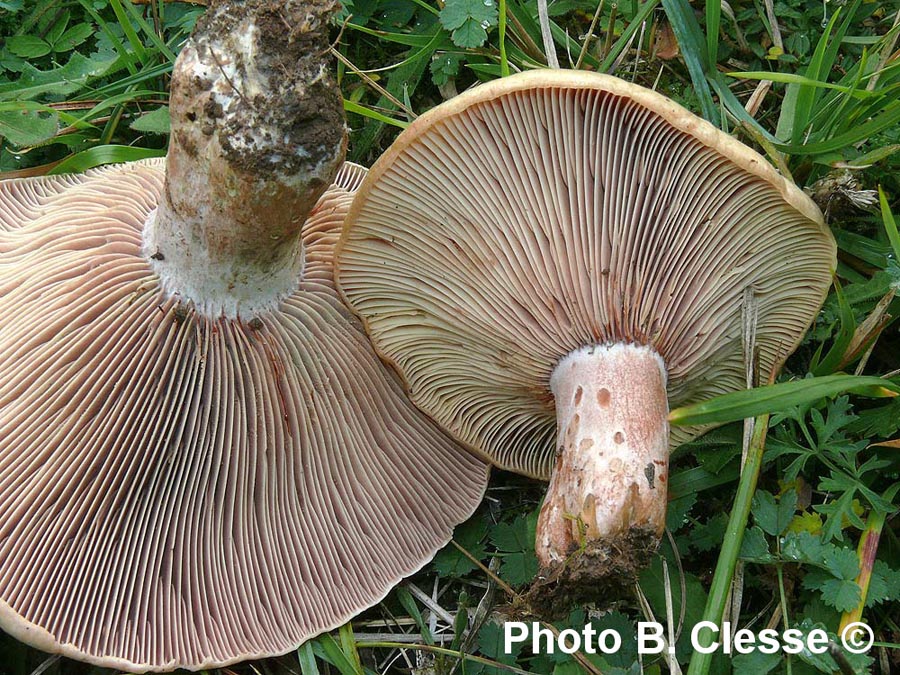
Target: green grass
770,541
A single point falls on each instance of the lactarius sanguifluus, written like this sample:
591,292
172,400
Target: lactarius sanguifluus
202,460
550,261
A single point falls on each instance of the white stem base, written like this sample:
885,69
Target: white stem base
611,470
258,134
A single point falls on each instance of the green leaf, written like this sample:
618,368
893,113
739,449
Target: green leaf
73,37
515,543
59,81
884,584
469,20
779,398
887,118
716,457
803,547
824,663
817,70
771,515
713,17
709,535
842,562
627,35
457,12
839,513
404,78
449,562
348,646
28,127
696,479
519,568
838,414
470,35
516,536
756,662
154,122
130,33
627,655
444,66
881,420
58,27
678,510
754,547
806,522
148,30
411,40
872,157
491,644
838,593
28,46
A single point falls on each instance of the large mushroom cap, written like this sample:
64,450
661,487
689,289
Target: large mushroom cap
182,491
551,211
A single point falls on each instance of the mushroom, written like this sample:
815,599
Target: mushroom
552,259
202,460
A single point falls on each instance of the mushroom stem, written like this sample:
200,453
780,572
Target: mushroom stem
258,134
608,488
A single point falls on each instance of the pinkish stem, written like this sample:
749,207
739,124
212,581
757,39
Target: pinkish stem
613,452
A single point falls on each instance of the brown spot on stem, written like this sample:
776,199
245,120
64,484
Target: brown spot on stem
650,472
603,397
574,423
586,444
578,394
619,437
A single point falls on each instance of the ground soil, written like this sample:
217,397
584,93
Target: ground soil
292,51
600,572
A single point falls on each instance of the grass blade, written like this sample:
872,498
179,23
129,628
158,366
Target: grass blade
713,17
359,109
856,134
835,355
690,37
693,480
307,658
642,15
409,604
815,72
731,544
348,646
791,78
332,652
130,33
779,398
501,36
890,224
104,154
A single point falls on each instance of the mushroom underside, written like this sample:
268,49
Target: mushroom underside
178,491
554,213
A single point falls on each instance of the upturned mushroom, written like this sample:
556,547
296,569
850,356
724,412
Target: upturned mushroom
202,460
550,261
